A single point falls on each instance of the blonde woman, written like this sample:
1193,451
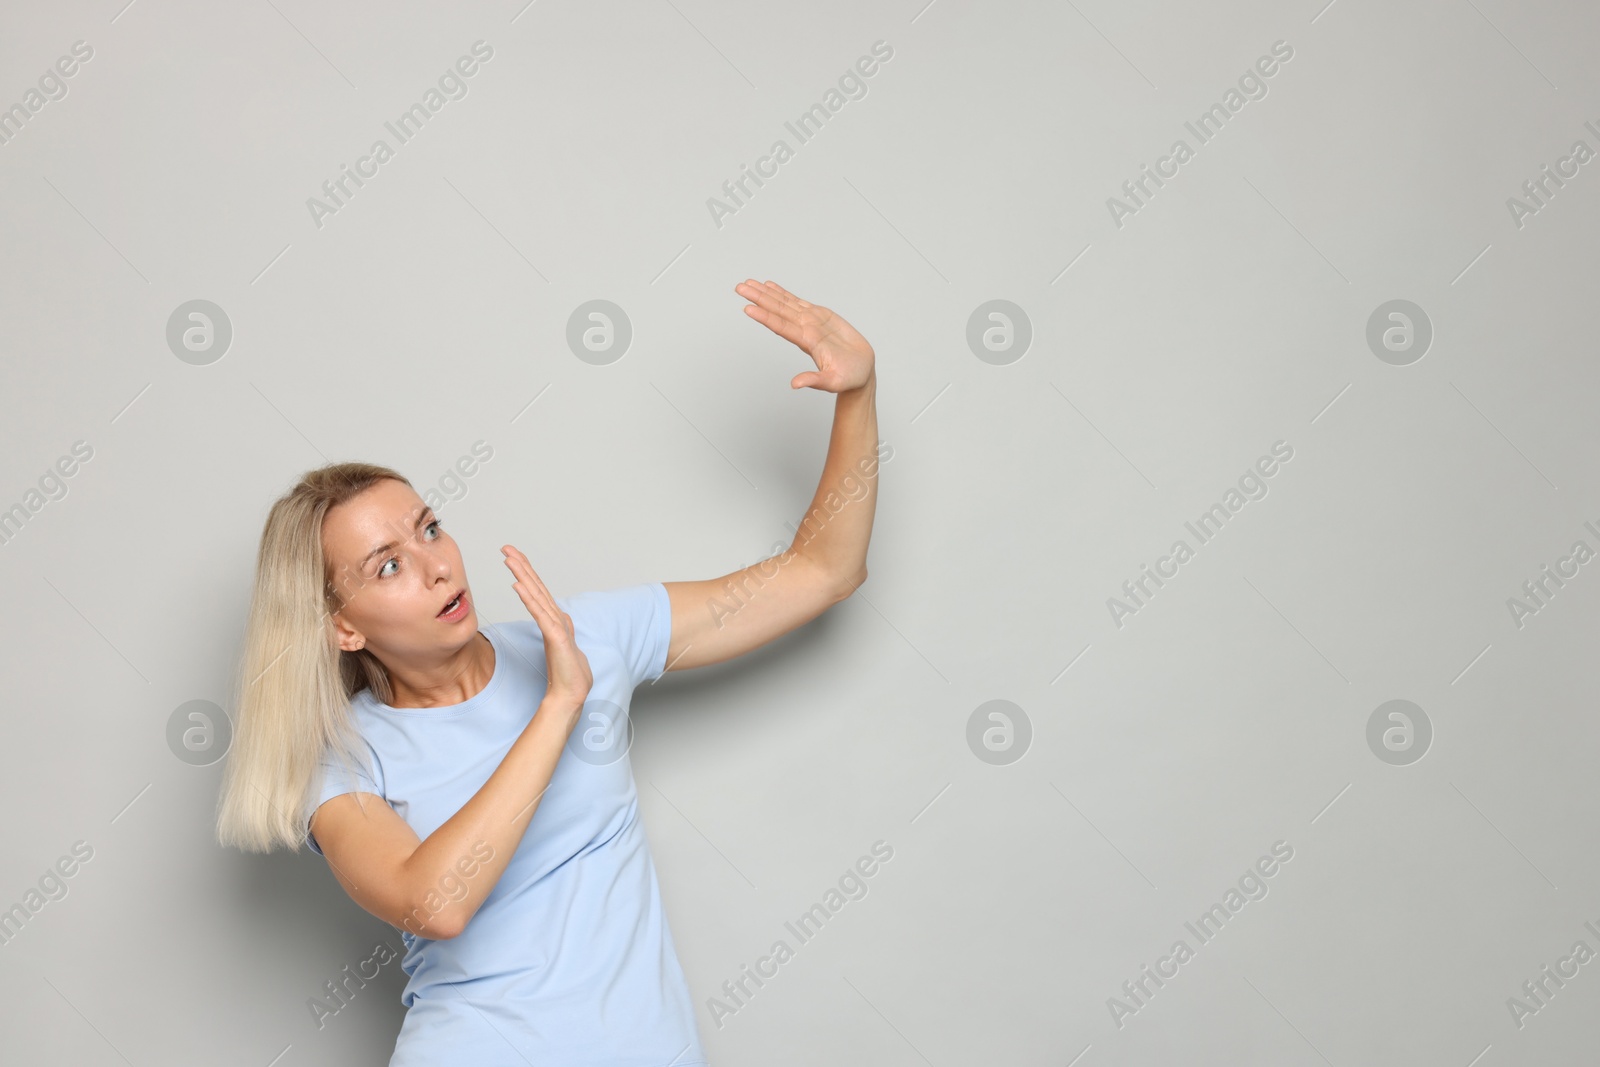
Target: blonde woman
472,787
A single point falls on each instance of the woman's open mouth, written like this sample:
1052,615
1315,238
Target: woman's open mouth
456,610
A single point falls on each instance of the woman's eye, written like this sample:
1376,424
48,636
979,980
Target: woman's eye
383,572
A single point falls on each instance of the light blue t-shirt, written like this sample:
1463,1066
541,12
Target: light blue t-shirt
569,960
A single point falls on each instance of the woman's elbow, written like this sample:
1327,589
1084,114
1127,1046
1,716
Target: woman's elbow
848,586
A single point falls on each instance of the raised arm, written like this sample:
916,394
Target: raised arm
720,618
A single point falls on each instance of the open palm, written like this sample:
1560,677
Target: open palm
843,357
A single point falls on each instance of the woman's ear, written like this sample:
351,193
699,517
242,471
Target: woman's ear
350,640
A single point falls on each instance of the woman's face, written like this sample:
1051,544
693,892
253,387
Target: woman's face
393,568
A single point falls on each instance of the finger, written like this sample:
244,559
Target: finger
767,299
533,593
523,564
530,590
784,327
536,596
535,607
784,292
781,295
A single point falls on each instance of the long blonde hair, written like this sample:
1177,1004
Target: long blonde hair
294,683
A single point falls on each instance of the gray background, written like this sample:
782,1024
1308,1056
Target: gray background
1165,756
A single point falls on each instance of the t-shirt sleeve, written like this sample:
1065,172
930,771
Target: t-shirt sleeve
335,781
636,620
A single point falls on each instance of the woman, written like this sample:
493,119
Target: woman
445,772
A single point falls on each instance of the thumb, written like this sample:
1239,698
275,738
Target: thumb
800,381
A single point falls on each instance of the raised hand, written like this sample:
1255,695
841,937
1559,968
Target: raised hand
844,358
570,676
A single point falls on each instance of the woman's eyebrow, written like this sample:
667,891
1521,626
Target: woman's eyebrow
421,515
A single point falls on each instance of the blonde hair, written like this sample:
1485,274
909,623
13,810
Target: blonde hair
294,683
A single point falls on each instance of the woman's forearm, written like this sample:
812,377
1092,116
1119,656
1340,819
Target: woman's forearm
454,870
838,524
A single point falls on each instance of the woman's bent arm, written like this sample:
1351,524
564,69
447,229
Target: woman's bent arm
432,887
